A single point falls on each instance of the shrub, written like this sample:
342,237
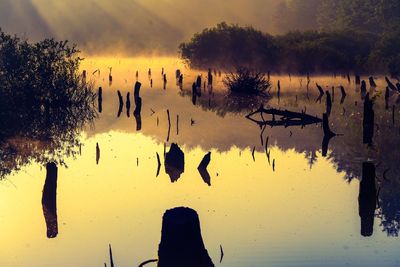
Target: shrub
246,81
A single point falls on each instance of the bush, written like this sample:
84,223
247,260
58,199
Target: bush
246,81
44,101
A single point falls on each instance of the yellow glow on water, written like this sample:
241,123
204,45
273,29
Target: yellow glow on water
122,203
297,213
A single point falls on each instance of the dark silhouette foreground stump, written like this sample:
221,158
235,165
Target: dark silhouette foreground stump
181,241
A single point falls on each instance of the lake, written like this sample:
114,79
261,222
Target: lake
270,196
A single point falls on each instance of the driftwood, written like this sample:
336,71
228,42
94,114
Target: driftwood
287,118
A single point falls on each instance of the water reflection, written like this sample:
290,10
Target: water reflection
49,200
174,162
367,199
203,168
240,147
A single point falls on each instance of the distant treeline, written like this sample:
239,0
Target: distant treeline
227,46
360,15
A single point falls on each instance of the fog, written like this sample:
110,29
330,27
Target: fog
128,27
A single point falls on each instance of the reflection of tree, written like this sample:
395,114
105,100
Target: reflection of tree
222,102
346,152
44,102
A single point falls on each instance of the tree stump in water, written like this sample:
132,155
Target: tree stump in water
181,241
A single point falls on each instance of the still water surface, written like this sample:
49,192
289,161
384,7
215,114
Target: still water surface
304,211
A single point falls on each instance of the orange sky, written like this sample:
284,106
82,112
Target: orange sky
128,26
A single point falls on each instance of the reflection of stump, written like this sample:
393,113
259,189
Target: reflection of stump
49,200
358,79
174,162
367,199
202,168
181,241
368,120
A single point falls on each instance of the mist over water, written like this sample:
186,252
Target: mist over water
128,27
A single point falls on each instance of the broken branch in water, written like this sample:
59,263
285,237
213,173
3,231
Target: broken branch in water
147,262
287,118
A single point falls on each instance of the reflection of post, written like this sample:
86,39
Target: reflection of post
367,199
368,120
343,91
372,82
97,153
49,200
387,95
100,99
165,81
328,103
363,89
358,79
194,93
121,103
138,104
128,104
181,241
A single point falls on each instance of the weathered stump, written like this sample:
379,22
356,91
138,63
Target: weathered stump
181,241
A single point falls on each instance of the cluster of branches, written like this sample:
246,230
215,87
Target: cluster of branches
247,81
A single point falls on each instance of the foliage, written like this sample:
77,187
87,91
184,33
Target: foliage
230,45
44,101
246,81
294,52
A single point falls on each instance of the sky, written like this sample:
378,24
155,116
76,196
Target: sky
128,27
